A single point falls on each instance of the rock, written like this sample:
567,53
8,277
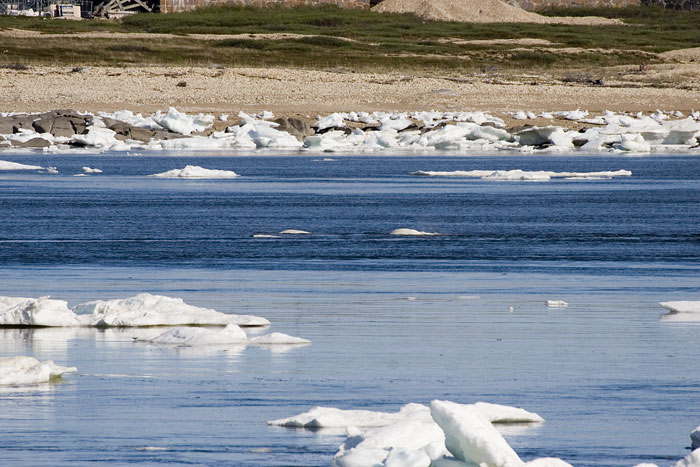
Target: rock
62,126
164,134
35,143
7,125
294,126
43,125
20,123
140,134
120,128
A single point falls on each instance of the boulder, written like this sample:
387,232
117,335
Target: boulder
22,122
62,126
43,125
34,143
140,134
295,127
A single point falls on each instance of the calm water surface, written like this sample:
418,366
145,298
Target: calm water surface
392,320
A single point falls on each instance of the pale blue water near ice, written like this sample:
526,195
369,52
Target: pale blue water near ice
616,385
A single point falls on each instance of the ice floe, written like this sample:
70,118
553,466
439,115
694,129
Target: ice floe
681,310
231,334
412,233
194,171
522,175
182,123
16,371
7,165
90,170
157,310
294,232
556,304
140,310
691,460
445,433
695,438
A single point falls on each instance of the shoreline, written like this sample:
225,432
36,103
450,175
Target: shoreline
308,93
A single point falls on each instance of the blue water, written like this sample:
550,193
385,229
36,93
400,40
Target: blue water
617,385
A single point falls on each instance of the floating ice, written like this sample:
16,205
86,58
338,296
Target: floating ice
102,138
194,171
157,310
89,170
278,338
6,165
42,311
294,232
470,437
518,174
695,438
556,304
265,236
335,120
681,311
691,460
412,232
412,435
27,370
182,123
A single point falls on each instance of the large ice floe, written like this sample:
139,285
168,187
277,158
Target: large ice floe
7,165
194,171
403,232
522,175
357,132
681,311
16,371
231,334
443,434
141,310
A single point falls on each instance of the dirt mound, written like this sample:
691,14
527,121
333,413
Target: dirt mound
477,11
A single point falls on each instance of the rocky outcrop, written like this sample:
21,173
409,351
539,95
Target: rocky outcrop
294,126
675,4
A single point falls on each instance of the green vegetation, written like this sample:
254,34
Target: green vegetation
356,39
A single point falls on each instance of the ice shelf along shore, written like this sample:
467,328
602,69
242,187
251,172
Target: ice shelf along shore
141,310
443,434
16,371
355,132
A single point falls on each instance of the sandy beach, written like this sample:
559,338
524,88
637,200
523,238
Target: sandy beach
302,93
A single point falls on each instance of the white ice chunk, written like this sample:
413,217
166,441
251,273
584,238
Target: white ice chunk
278,338
335,120
89,170
496,413
691,460
294,232
399,457
556,304
330,417
231,334
412,232
7,165
42,311
572,114
182,123
633,142
156,310
681,310
102,138
470,437
518,174
27,370
194,171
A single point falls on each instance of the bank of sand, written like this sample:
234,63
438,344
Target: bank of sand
293,92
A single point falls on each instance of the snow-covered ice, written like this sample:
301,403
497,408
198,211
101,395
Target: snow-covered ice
556,304
412,233
28,370
681,310
519,174
157,310
182,123
413,434
90,170
7,165
691,460
42,311
294,232
194,171
231,334
140,310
